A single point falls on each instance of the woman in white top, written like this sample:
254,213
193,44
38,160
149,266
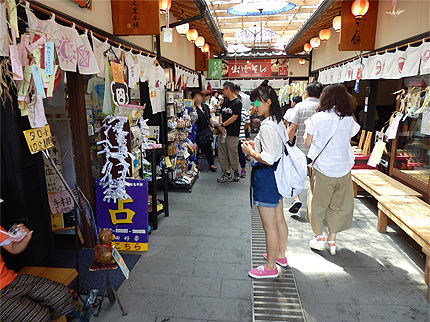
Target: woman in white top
266,151
330,197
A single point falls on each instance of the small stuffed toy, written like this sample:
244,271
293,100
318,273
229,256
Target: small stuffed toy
104,249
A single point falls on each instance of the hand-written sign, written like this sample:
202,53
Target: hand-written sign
39,139
53,181
60,202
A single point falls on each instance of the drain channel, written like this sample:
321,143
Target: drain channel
273,299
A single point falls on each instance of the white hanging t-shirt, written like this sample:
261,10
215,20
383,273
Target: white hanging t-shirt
99,47
65,39
133,66
87,62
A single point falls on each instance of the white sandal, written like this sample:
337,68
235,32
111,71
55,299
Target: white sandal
331,246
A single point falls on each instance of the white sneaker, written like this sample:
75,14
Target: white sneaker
331,247
318,242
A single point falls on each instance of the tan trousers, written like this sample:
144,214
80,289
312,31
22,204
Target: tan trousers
228,154
332,200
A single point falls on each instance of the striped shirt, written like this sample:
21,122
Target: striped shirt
301,112
245,119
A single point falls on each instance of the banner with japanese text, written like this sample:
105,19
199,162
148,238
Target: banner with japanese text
128,218
249,68
215,69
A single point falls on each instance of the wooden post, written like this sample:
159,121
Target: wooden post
81,146
382,221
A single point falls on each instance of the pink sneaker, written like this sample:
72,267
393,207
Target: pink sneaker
280,261
263,272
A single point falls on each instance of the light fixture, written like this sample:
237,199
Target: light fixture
337,23
192,35
261,7
307,47
206,48
359,8
183,29
165,5
255,34
200,41
315,42
324,34
301,61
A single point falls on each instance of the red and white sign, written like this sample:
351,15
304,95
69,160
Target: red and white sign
249,68
283,71
425,58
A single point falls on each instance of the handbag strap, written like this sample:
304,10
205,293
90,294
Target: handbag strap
313,162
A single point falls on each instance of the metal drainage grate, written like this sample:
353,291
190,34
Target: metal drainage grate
273,299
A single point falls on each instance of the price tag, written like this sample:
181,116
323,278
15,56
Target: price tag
168,163
39,139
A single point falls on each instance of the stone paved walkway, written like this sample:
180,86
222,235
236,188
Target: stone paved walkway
196,268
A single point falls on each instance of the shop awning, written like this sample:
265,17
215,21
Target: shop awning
186,9
320,19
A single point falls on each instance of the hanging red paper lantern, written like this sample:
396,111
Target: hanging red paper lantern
192,35
325,34
206,48
165,5
359,8
307,47
301,61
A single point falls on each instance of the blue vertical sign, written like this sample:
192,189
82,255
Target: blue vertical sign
128,218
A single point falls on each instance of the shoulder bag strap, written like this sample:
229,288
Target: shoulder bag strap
313,162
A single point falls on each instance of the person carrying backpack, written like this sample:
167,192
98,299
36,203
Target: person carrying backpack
266,152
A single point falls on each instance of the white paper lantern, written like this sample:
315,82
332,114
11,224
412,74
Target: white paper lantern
315,42
183,29
200,41
337,23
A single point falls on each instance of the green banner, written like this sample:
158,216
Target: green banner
215,69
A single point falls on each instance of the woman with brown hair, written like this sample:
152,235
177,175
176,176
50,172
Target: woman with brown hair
330,197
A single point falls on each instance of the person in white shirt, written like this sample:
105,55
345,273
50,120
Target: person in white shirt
330,196
214,102
301,112
266,151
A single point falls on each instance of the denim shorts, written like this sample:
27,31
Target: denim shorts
264,188
264,204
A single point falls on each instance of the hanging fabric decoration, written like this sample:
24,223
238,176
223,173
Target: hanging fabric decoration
37,26
4,36
116,155
107,100
65,44
99,48
87,62
425,58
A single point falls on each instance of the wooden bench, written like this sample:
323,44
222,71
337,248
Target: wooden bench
379,184
413,216
64,276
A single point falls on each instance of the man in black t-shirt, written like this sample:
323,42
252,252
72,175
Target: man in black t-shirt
229,138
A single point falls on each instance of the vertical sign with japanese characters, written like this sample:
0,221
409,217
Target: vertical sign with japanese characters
215,69
128,218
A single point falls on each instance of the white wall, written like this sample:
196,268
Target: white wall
297,70
180,51
414,21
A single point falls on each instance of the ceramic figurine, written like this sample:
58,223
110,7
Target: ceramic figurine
104,249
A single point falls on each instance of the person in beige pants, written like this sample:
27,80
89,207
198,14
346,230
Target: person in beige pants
330,197
229,127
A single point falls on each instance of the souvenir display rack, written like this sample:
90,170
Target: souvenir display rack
181,149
